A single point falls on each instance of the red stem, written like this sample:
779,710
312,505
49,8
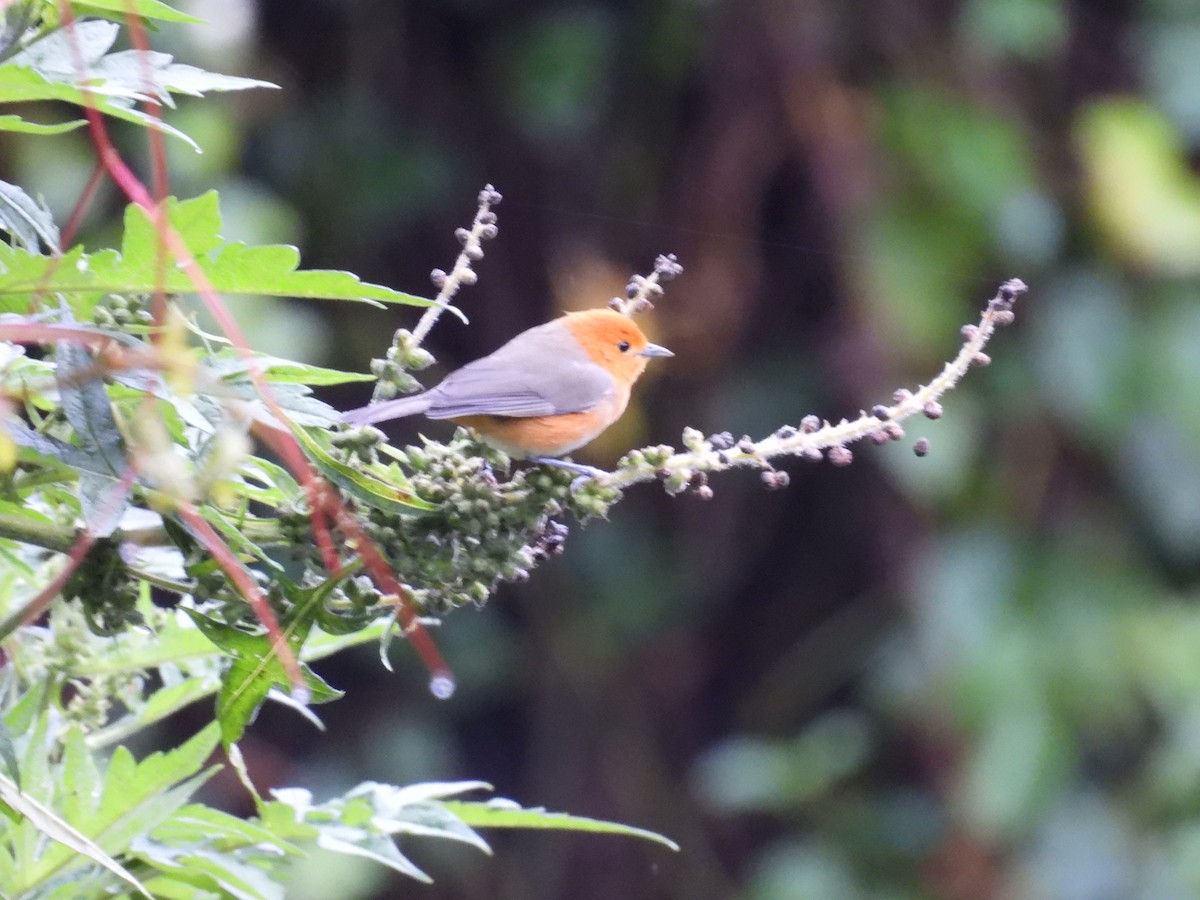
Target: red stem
323,502
244,582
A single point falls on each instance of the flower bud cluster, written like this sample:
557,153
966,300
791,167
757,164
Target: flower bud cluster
486,529
107,594
392,371
643,290
119,311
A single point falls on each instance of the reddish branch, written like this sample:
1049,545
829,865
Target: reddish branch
324,503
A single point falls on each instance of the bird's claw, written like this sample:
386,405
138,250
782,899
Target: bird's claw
580,480
584,473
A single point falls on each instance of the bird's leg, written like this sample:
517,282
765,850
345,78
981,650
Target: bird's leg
585,473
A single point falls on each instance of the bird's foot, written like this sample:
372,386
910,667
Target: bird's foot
584,473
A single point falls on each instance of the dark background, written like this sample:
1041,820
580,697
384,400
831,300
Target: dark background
974,675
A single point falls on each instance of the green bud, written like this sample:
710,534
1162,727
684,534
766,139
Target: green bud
693,439
678,481
418,358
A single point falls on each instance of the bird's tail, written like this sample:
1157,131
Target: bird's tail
390,409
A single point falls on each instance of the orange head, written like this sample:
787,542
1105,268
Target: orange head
614,342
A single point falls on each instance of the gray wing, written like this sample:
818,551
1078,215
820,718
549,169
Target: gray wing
564,380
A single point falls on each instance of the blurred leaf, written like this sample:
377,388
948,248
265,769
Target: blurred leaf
229,363
1161,469
1168,48
1143,195
29,221
150,9
971,155
1026,29
53,827
750,773
85,402
500,813
9,755
1020,762
556,69
1082,354
791,870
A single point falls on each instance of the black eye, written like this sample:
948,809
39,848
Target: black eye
623,346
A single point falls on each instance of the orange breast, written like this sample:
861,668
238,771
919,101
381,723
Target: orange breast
521,436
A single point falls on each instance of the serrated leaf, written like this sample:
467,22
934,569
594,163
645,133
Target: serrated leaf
500,813
197,821
50,824
368,485
256,667
207,847
231,268
417,810
233,533
21,84
149,9
157,74
74,66
29,221
59,55
355,842
164,702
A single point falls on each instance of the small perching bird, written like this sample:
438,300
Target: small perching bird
545,393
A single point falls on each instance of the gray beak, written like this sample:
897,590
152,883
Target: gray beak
654,350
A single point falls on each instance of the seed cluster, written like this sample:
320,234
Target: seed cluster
494,521
107,594
118,311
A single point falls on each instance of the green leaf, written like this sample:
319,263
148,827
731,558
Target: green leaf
230,364
50,824
500,813
366,819
149,9
256,667
209,848
1144,193
80,779
75,66
20,84
380,487
231,268
24,126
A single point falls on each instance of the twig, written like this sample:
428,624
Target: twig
643,290
482,229
813,439
406,353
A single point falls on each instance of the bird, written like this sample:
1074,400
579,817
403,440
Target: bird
547,392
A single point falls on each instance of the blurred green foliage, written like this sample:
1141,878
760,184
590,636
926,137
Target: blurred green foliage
972,675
